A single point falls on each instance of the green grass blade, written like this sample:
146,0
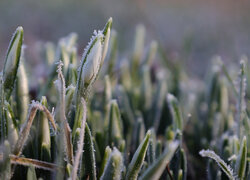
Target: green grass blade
66,131
226,168
138,158
224,69
113,52
31,174
113,167
241,104
89,164
22,93
157,105
80,143
69,99
115,124
156,169
5,166
176,112
12,131
151,53
183,164
45,133
105,160
158,149
151,152
138,50
138,134
146,88
241,161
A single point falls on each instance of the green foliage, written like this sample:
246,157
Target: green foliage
141,117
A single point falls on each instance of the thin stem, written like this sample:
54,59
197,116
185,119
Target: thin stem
67,130
27,162
2,133
25,129
80,143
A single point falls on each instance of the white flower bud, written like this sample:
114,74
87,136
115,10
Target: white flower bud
92,60
12,61
92,64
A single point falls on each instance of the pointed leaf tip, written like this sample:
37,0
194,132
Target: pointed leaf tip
107,26
138,158
12,61
19,29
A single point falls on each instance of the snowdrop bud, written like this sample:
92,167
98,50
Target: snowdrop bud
92,59
12,61
22,92
92,64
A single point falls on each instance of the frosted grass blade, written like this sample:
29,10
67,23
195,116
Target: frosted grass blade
138,158
241,161
88,163
105,160
113,167
156,169
226,168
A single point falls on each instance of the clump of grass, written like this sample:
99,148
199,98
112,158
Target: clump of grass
111,117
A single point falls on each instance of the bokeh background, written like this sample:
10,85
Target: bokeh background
194,30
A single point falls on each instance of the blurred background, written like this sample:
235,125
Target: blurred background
194,29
